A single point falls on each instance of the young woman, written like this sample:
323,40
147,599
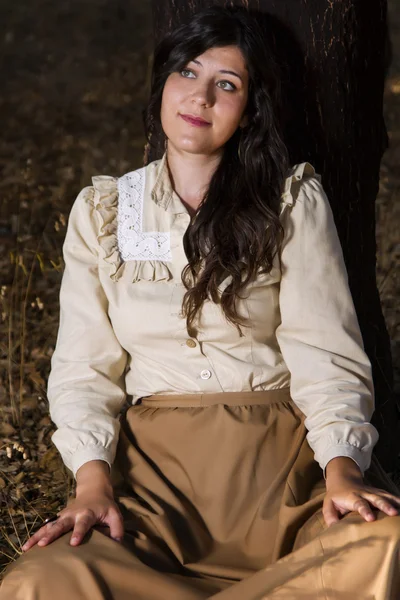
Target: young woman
208,289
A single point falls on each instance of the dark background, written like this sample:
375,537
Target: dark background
75,78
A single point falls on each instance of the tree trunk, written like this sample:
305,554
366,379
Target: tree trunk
337,56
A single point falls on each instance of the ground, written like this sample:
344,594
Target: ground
75,80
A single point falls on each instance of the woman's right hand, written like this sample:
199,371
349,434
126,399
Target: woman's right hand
94,504
89,508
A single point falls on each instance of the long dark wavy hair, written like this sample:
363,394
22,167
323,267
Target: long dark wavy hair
236,230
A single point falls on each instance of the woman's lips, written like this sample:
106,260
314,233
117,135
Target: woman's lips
194,122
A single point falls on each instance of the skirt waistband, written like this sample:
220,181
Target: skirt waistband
229,398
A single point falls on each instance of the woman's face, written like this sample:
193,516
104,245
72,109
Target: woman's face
201,90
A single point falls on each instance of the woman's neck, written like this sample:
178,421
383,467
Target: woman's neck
190,176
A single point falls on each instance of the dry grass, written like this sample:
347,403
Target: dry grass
68,118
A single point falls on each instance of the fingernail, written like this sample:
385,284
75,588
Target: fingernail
74,539
118,539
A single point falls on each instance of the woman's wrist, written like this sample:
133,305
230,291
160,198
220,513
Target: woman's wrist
341,467
94,474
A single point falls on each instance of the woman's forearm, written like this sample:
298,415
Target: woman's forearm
342,466
93,474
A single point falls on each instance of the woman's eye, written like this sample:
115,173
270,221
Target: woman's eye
233,87
229,83
186,71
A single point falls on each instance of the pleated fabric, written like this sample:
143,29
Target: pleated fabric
221,498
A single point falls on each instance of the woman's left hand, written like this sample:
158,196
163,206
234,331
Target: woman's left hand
349,493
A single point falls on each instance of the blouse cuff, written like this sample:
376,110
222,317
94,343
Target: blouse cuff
85,454
361,458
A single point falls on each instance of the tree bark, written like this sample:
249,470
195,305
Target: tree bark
337,56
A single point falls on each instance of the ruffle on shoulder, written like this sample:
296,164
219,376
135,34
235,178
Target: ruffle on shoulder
295,174
106,205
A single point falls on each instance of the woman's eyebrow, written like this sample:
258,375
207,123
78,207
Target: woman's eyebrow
221,70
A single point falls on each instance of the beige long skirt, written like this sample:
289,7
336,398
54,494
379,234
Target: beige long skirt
221,498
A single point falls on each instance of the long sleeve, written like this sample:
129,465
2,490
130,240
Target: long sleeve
319,334
86,384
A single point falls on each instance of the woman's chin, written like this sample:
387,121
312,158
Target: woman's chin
192,148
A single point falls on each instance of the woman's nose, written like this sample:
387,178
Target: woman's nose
204,94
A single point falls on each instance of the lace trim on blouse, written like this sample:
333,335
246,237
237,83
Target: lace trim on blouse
144,255
133,253
133,242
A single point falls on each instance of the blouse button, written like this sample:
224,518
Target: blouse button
206,374
191,343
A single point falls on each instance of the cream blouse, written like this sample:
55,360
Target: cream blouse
121,335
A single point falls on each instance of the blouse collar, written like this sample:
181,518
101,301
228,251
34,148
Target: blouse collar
162,192
165,196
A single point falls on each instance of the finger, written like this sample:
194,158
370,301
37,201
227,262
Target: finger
382,503
362,506
42,534
37,536
115,521
330,513
55,530
33,539
83,523
395,500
